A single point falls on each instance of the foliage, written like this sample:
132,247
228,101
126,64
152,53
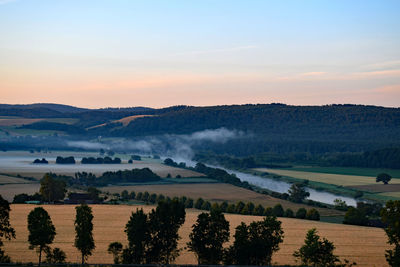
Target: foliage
383,177
66,160
277,210
84,241
297,193
138,233
255,244
105,160
316,252
55,256
355,216
301,213
52,189
115,248
154,238
6,231
22,198
40,161
41,230
312,214
209,233
391,216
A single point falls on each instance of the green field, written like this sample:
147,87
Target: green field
347,170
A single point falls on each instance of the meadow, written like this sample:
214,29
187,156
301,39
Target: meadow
366,246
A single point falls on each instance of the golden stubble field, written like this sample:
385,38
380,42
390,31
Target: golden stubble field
364,245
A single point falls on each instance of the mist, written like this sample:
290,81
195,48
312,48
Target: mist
179,147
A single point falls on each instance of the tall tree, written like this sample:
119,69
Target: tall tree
83,228
41,230
255,244
165,222
391,216
115,248
210,232
6,231
138,233
52,189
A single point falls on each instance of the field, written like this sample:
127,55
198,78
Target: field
328,178
20,162
366,246
348,170
4,179
125,121
216,193
8,191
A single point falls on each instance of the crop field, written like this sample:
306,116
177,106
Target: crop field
391,194
217,192
378,188
366,246
328,178
17,121
348,170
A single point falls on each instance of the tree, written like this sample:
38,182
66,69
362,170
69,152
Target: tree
138,233
115,248
209,233
41,230
6,230
255,244
52,189
289,213
55,256
297,193
312,214
383,177
355,216
391,216
301,213
277,210
317,252
83,228
165,222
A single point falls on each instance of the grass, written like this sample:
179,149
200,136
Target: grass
8,191
348,170
328,178
366,246
391,194
5,179
217,192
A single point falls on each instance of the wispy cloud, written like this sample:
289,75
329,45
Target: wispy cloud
219,50
384,65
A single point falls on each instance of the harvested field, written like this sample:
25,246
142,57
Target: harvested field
17,121
336,179
366,246
379,188
8,191
4,179
125,121
217,192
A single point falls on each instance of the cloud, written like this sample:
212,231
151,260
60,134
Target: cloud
384,65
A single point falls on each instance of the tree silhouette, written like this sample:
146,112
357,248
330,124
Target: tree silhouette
297,193
6,230
383,177
52,189
83,228
391,216
41,230
115,248
210,232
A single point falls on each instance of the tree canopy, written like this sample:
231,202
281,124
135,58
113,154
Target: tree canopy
383,177
41,230
6,231
84,241
391,216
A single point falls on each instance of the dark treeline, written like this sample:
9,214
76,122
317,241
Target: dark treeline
55,126
66,160
109,177
105,160
382,158
40,161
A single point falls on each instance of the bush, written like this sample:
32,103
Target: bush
312,214
301,213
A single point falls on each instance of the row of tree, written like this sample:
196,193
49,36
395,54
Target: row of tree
240,207
105,160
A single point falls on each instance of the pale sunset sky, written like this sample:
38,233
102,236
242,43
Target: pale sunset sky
120,53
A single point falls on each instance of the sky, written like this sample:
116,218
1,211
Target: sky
124,53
